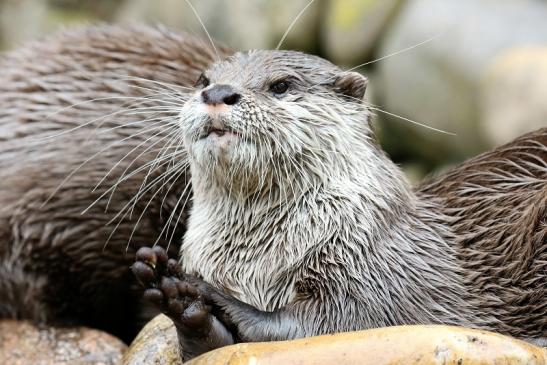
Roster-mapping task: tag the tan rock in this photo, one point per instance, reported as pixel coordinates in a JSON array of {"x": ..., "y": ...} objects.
[
  {"x": 156, "y": 344},
  {"x": 437, "y": 83},
  {"x": 240, "y": 24},
  {"x": 422, "y": 345},
  {"x": 353, "y": 28},
  {"x": 21, "y": 20},
  {"x": 513, "y": 94},
  {"x": 21, "y": 343}
]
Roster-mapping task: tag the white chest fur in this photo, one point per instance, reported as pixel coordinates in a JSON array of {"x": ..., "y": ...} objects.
[{"x": 240, "y": 254}]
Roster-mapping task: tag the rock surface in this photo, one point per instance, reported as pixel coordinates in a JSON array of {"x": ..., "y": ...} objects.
[
  {"x": 241, "y": 24},
  {"x": 513, "y": 94},
  {"x": 352, "y": 28},
  {"x": 438, "y": 83},
  {"x": 24, "y": 344},
  {"x": 423, "y": 345},
  {"x": 156, "y": 344}
]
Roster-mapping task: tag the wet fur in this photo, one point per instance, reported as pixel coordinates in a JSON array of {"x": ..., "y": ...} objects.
[
  {"x": 497, "y": 204},
  {"x": 55, "y": 266},
  {"x": 307, "y": 227}
]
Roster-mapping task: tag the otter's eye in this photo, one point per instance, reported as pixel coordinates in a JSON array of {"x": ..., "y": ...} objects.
[
  {"x": 279, "y": 87},
  {"x": 202, "y": 81}
]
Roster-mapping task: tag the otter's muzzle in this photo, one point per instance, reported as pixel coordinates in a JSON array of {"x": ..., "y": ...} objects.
[{"x": 220, "y": 94}]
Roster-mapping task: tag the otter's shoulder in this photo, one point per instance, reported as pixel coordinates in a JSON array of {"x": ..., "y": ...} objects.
[
  {"x": 524, "y": 159},
  {"x": 497, "y": 207}
]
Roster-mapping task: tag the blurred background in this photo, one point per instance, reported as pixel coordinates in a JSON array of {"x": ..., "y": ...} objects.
[{"x": 475, "y": 68}]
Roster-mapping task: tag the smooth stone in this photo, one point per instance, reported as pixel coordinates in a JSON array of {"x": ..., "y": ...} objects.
[
  {"x": 156, "y": 343},
  {"x": 438, "y": 83},
  {"x": 402, "y": 345},
  {"x": 22, "y": 343},
  {"x": 353, "y": 28},
  {"x": 513, "y": 94}
]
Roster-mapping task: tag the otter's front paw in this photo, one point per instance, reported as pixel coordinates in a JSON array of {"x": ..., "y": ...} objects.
[{"x": 165, "y": 286}]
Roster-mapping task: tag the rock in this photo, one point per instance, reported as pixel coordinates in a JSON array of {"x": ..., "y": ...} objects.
[
  {"x": 438, "y": 83},
  {"x": 353, "y": 28},
  {"x": 21, "y": 20},
  {"x": 424, "y": 345},
  {"x": 240, "y": 24},
  {"x": 21, "y": 343},
  {"x": 157, "y": 343},
  {"x": 304, "y": 34},
  {"x": 513, "y": 94}
]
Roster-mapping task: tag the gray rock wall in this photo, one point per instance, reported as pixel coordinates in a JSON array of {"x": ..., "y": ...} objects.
[{"x": 440, "y": 83}]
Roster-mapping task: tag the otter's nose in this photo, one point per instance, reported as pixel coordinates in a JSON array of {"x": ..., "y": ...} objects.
[{"x": 220, "y": 94}]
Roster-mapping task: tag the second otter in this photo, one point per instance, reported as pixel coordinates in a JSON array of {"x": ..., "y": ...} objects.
[{"x": 301, "y": 225}]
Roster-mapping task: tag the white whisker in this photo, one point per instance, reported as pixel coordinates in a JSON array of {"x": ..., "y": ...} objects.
[
  {"x": 428, "y": 40},
  {"x": 204, "y": 28},
  {"x": 292, "y": 24},
  {"x": 412, "y": 121}
]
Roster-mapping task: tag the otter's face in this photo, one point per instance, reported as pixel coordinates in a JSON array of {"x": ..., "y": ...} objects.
[{"x": 265, "y": 115}]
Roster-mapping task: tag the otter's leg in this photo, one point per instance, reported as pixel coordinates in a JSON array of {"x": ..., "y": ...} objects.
[
  {"x": 209, "y": 320},
  {"x": 198, "y": 330},
  {"x": 251, "y": 324}
]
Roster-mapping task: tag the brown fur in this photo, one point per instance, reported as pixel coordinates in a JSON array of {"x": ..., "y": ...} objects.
[
  {"x": 53, "y": 268},
  {"x": 498, "y": 204}
]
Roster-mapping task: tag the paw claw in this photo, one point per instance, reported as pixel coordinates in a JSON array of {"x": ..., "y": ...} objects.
[
  {"x": 161, "y": 255},
  {"x": 173, "y": 267},
  {"x": 196, "y": 315},
  {"x": 143, "y": 272},
  {"x": 182, "y": 297},
  {"x": 147, "y": 255}
]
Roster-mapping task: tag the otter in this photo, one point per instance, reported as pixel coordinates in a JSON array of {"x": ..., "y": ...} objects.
[
  {"x": 73, "y": 127},
  {"x": 82, "y": 112},
  {"x": 301, "y": 225}
]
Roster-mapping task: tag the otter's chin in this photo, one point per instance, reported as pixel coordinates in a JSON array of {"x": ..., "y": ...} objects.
[
  {"x": 222, "y": 139},
  {"x": 218, "y": 143},
  {"x": 218, "y": 147}
]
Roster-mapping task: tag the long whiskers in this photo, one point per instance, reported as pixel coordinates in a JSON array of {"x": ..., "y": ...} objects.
[
  {"x": 204, "y": 28},
  {"x": 130, "y": 152},
  {"x": 292, "y": 24},
  {"x": 428, "y": 40},
  {"x": 411, "y": 121},
  {"x": 73, "y": 172},
  {"x": 103, "y": 117},
  {"x": 123, "y": 178},
  {"x": 160, "y": 155},
  {"x": 380, "y": 110}
]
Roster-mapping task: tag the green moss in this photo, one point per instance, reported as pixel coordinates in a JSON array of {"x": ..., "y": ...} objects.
[
  {"x": 57, "y": 16},
  {"x": 346, "y": 13}
]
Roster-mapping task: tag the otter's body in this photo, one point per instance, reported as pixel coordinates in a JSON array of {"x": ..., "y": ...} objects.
[
  {"x": 301, "y": 225},
  {"x": 497, "y": 209},
  {"x": 55, "y": 266}
]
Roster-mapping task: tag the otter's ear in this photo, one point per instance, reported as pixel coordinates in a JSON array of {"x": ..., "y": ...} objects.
[{"x": 351, "y": 84}]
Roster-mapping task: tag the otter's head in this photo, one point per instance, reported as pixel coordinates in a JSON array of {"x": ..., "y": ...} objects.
[{"x": 265, "y": 119}]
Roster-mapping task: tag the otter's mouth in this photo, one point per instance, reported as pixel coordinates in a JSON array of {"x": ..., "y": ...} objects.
[{"x": 218, "y": 132}]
